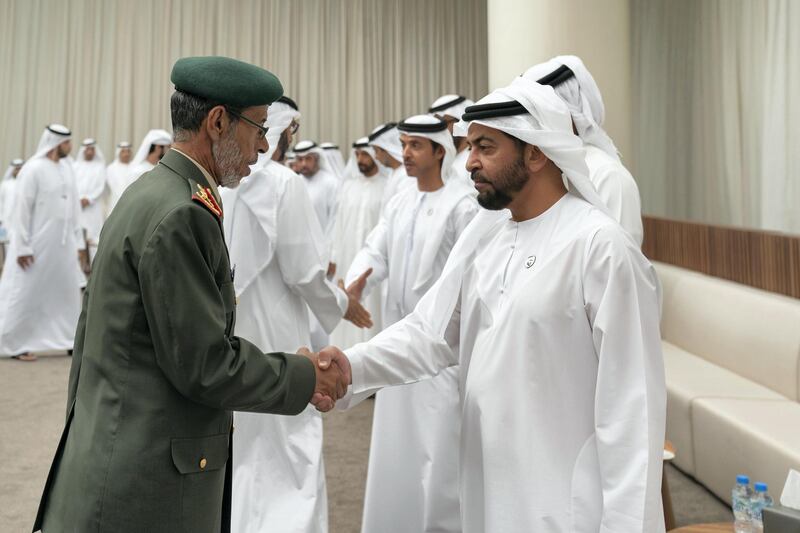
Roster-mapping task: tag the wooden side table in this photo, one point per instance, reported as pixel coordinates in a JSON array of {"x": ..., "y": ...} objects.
[{"x": 720, "y": 527}]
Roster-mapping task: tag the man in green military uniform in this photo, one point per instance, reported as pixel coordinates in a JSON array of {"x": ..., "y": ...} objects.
[{"x": 156, "y": 371}]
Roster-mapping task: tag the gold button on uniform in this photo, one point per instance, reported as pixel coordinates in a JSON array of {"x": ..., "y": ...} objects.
[{"x": 203, "y": 463}]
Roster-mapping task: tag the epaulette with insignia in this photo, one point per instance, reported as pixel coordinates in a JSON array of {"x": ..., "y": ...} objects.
[{"x": 205, "y": 197}]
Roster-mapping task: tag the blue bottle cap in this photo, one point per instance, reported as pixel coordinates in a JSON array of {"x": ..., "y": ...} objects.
[
  {"x": 760, "y": 487},
  {"x": 741, "y": 479}
]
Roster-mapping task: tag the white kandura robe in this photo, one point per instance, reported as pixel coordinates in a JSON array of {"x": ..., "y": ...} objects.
[
  {"x": 91, "y": 180},
  {"x": 412, "y": 479},
  {"x": 8, "y": 188},
  {"x": 118, "y": 177},
  {"x": 358, "y": 212},
  {"x": 322, "y": 188},
  {"x": 279, "y": 258},
  {"x": 41, "y": 305},
  {"x": 137, "y": 170},
  {"x": 556, "y": 320},
  {"x": 397, "y": 181},
  {"x": 618, "y": 190}
]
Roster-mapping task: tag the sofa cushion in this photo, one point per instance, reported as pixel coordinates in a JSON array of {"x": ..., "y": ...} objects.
[
  {"x": 760, "y": 438},
  {"x": 690, "y": 377},
  {"x": 751, "y": 332}
]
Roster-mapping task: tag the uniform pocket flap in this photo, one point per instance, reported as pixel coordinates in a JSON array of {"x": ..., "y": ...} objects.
[{"x": 201, "y": 454}]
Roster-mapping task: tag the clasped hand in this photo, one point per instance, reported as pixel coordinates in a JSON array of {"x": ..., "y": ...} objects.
[{"x": 333, "y": 376}]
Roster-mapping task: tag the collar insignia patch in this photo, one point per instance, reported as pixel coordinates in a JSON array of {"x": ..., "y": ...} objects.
[{"x": 205, "y": 197}]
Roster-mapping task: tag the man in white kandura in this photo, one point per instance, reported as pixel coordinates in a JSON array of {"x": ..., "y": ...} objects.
[
  {"x": 385, "y": 143},
  {"x": 321, "y": 182},
  {"x": 575, "y": 85},
  {"x": 7, "y": 201},
  {"x": 413, "y": 459},
  {"x": 323, "y": 186},
  {"x": 90, "y": 174},
  {"x": 358, "y": 211},
  {"x": 40, "y": 286},
  {"x": 552, "y": 314},
  {"x": 118, "y": 174},
  {"x": 154, "y": 145},
  {"x": 334, "y": 158},
  {"x": 449, "y": 108},
  {"x": 279, "y": 258}
]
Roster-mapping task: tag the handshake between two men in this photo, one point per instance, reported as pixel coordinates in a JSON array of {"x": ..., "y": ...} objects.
[
  {"x": 333, "y": 376},
  {"x": 331, "y": 365}
]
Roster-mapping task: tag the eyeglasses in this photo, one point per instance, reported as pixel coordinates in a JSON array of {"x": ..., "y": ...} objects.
[
  {"x": 294, "y": 126},
  {"x": 262, "y": 131}
]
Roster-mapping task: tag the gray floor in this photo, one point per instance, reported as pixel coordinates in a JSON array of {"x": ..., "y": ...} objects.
[{"x": 32, "y": 399}]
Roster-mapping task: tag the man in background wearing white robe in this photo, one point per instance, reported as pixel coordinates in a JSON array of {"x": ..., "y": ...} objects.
[
  {"x": 575, "y": 85},
  {"x": 280, "y": 262},
  {"x": 321, "y": 182},
  {"x": 552, "y": 314},
  {"x": 154, "y": 145},
  {"x": 90, "y": 173},
  {"x": 40, "y": 286},
  {"x": 7, "y": 201},
  {"x": 385, "y": 143},
  {"x": 334, "y": 158},
  {"x": 323, "y": 186},
  {"x": 118, "y": 174},
  {"x": 449, "y": 108},
  {"x": 358, "y": 211},
  {"x": 412, "y": 478}
]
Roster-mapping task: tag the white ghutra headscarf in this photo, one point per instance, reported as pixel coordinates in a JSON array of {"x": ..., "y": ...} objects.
[
  {"x": 441, "y": 137},
  {"x": 547, "y": 125},
  {"x": 582, "y": 96}
]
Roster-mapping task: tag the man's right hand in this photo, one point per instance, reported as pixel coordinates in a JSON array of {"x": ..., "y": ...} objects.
[
  {"x": 85, "y": 203},
  {"x": 356, "y": 288},
  {"x": 331, "y": 381},
  {"x": 330, "y": 358},
  {"x": 24, "y": 261}
]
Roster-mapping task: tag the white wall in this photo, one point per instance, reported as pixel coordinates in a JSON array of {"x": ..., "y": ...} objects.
[{"x": 522, "y": 33}]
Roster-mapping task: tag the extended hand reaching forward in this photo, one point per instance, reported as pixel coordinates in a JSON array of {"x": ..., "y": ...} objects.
[
  {"x": 333, "y": 376},
  {"x": 357, "y": 313}
]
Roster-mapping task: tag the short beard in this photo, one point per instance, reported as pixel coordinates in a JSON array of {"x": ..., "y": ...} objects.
[
  {"x": 367, "y": 169},
  {"x": 283, "y": 145},
  {"x": 510, "y": 179},
  {"x": 228, "y": 158}
]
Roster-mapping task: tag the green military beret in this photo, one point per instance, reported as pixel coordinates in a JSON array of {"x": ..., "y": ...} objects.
[{"x": 225, "y": 80}]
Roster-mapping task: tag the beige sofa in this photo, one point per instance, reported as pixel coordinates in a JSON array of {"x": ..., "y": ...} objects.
[{"x": 732, "y": 359}]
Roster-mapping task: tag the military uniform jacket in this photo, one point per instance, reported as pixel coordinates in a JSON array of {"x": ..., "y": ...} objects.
[{"x": 156, "y": 372}]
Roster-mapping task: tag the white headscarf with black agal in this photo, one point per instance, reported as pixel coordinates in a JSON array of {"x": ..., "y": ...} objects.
[
  {"x": 53, "y": 135},
  {"x": 574, "y": 84},
  {"x": 436, "y": 130},
  {"x": 387, "y": 137},
  {"x": 534, "y": 114},
  {"x": 452, "y": 105},
  {"x": 98, "y": 153}
]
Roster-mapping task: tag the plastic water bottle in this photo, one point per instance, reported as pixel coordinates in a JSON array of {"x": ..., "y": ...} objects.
[
  {"x": 741, "y": 497},
  {"x": 760, "y": 501}
]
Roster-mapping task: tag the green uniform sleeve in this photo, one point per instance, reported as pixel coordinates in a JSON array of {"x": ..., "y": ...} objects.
[{"x": 188, "y": 300}]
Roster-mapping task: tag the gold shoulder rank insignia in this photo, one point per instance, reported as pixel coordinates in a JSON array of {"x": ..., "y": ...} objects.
[{"x": 204, "y": 196}]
